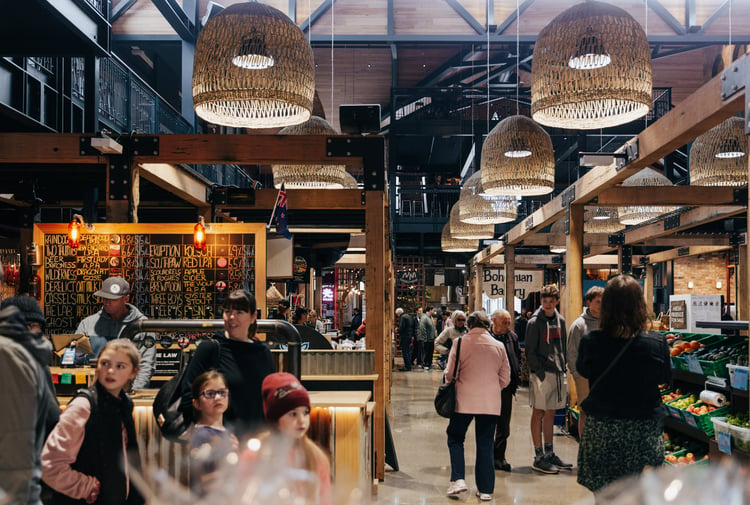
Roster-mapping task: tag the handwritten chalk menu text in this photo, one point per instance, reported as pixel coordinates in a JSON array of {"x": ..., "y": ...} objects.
[{"x": 168, "y": 277}]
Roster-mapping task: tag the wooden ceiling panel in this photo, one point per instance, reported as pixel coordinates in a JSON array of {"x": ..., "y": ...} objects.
[
  {"x": 415, "y": 18},
  {"x": 684, "y": 72},
  {"x": 417, "y": 63},
  {"x": 353, "y": 17}
]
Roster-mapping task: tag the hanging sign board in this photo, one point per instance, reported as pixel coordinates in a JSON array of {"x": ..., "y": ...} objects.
[{"x": 526, "y": 281}]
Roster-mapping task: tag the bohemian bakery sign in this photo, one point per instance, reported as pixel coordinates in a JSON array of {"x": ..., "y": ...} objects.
[{"x": 526, "y": 281}]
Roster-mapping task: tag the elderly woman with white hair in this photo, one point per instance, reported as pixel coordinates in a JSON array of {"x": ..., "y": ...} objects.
[{"x": 444, "y": 341}]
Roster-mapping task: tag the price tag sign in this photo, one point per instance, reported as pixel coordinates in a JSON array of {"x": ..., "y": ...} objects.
[
  {"x": 691, "y": 420},
  {"x": 693, "y": 364},
  {"x": 739, "y": 378},
  {"x": 725, "y": 442}
]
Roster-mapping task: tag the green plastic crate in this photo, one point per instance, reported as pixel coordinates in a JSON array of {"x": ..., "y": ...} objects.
[
  {"x": 703, "y": 422},
  {"x": 701, "y": 461},
  {"x": 674, "y": 411}
]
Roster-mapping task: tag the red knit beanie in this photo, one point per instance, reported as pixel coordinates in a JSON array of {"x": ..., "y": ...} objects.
[{"x": 282, "y": 392}]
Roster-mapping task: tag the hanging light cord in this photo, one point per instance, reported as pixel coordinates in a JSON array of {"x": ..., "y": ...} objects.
[
  {"x": 333, "y": 23},
  {"x": 488, "y": 69},
  {"x": 518, "y": 56}
]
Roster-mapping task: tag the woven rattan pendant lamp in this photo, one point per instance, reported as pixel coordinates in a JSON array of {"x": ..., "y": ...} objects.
[
  {"x": 556, "y": 246},
  {"x": 315, "y": 176},
  {"x": 461, "y": 230},
  {"x": 253, "y": 68},
  {"x": 602, "y": 220},
  {"x": 591, "y": 69},
  {"x": 718, "y": 157},
  {"x": 636, "y": 214},
  {"x": 452, "y": 244},
  {"x": 517, "y": 159},
  {"x": 474, "y": 208}
]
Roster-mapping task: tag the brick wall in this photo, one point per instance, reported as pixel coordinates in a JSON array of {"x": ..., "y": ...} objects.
[{"x": 705, "y": 271}]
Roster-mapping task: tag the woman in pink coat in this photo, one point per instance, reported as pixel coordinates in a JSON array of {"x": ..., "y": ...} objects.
[{"x": 482, "y": 372}]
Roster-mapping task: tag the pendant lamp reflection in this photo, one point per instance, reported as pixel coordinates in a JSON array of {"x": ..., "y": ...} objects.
[
  {"x": 253, "y": 68},
  {"x": 317, "y": 176},
  {"x": 476, "y": 208},
  {"x": 449, "y": 243},
  {"x": 717, "y": 158},
  {"x": 636, "y": 214},
  {"x": 504, "y": 174},
  {"x": 592, "y": 69}
]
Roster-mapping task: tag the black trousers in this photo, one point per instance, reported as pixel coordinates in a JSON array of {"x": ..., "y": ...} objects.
[
  {"x": 405, "y": 343},
  {"x": 502, "y": 432},
  {"x": 428, "y": 347}
]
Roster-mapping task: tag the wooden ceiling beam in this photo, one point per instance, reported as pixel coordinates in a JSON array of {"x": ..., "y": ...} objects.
[
  {"x": 683, "y": 252},
  {"x": 688, "y": 219},
  {"x": 667, "y": 195},
  {"x": 305, "y": 199},
  {"x": 177, "y": 181}
]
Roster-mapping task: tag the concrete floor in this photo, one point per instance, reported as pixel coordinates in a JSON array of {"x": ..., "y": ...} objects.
[{"x": 424, "y": 465}]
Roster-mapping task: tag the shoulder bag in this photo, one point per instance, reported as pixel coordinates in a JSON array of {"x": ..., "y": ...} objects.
[
  {"x": 445, "y": 399},
  {"x": 169, "y": 417}
]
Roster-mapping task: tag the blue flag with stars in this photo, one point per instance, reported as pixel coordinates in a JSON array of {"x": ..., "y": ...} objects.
[{"x": 281, "y": 216}]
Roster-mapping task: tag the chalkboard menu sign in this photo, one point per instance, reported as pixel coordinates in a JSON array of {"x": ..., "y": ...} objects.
[{"x": 168, "y": 278}]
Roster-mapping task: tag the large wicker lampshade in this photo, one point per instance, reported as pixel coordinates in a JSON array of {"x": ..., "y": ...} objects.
[
  {"x": 310, "y": 176},
  {"x": 635, "y": 214},
  {"x": 602, "y": 220},
  {"x": 253, "y": 68},
  {"x": 718, "y": 157},
  {"x": 452, "y": 244},
  {"x": 517, "y": 159},
  {"x": 591, "y": 69},
  {"x": 349, "y": 181},
  {"x": 557, "y": 246},
  {"x": 474, "y": 208},
  {"x": 461, "y": 230}
]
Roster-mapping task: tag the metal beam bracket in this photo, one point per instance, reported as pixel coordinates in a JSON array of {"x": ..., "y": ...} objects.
[
  {"x": 735, "y": 79},
  {"x": 528, "y": 223},
  {"x": 119, "y": 178},
  {"x": 683, "y": 251},
  {"x": 84, "y": 146},
  {"x": 737, "y": 239},
  {"x": 144, "y": 145},
  {"x": 568, "y": 196},
  {"x": 615, "y": 240},
  {"x": 627, "y": 259},
  {"x": 645, "y": 260},
  {"x": 372, "y": 151},
  {"x": 672, "y": 222},
  {"x": 631, "y": 154}
]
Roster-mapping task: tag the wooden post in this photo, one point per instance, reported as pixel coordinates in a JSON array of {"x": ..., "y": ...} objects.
[
  {"x": 742, "y": 303},
  {"x": 648, "y": 286},
  {"x": 476, "y": 304},
  {"x": 510, "y": 278},
  {"x": 574, "y": 265},
  {"x": 375, "y": 226}
]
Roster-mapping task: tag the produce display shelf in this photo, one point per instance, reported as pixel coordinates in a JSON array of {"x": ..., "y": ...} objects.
[{"x": 685, "y": 429}]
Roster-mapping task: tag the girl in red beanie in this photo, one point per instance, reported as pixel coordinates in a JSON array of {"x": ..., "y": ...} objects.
[{"x": 286, "y": 406}]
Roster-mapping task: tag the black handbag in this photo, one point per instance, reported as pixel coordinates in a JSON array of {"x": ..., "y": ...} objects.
[
  {"x": 166, "y": 406},
  {"x": 445, "y": 399}
]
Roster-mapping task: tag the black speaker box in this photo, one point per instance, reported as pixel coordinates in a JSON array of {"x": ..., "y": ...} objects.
[{"x": 359, "y": 119}]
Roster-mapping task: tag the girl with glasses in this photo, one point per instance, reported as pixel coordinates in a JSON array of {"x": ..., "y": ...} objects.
[{"x": 211, "y": 441}]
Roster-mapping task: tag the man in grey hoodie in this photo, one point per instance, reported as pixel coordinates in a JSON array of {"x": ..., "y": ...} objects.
[
  {"x": 585, "y": 323},
  {"x": 545, "y": 354},
  {"x": 108, "y": 324}
]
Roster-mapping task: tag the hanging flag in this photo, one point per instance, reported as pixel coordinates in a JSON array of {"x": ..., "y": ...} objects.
[{"x": 280, "y": 216}]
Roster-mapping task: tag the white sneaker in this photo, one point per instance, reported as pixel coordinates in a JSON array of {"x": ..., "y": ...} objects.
[
  {"x": 484, "y": 496},
  {"x": 457, "y": 486}
]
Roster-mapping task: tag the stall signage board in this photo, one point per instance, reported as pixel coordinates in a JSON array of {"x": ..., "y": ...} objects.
[
  {"x": 725, "y": 442},
  {"x": 526, "y": 281},
  {"x": 167, "y": 361},
  {"x": 168, "y": 277},
  {"x": 677, "y": 315}
]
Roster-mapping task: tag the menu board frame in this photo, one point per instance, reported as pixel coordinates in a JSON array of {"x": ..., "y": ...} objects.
[{"x": 257, "y": 230}]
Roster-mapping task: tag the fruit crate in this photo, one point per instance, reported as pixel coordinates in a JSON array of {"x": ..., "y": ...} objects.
[
  {"x": 707, "y": 340},
  {"x": 703, "y": 422},
  {"x": 674, "y": 411},
  {"x": 699, "y": 460},
  {"x": 718, "y": 368}
]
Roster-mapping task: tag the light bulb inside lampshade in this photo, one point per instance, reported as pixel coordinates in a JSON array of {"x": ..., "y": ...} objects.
[
  {"x": 729, "y": 148},
  {"x": 590, "y": 53},
  {"x": 518, "y": 148},
  {"x": 253, "y": 52}
]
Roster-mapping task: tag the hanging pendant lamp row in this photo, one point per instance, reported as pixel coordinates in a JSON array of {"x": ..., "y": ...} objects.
[
  {"x": 476, "y": 208},
  {"x": 253, "y": 68},
  {"x": 718, "y": 157},
  {"x": 504, "y": 174},
  {"x": 574, "y": 87},
  {"x": 449, "y": 243},
  {"x": 602, "y": 220},
  {"x": 310, "y": 176}
]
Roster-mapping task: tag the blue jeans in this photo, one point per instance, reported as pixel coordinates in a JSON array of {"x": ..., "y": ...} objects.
[{"x": 484, "y": 432}]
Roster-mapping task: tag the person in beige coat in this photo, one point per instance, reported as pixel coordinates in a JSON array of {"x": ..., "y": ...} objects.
[{"x": 482, "y": 373}]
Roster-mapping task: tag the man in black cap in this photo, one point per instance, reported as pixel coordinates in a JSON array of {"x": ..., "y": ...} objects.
[{"x": 108, "y": 324}]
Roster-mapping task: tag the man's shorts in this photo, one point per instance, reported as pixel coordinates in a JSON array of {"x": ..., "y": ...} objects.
[{"x": 550, "y": 393}]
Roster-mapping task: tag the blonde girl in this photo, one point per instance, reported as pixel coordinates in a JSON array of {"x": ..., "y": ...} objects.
[{"x": 84, "y": 459}]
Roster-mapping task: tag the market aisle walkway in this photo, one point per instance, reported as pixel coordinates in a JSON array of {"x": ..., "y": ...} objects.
[{"x": 424, "y": 466}]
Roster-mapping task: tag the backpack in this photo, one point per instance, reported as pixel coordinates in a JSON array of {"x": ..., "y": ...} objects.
[{"x": 169, "y": 417}]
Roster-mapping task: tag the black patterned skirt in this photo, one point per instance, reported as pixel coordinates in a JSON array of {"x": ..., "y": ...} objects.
[{"x": 614, "y": 448}]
